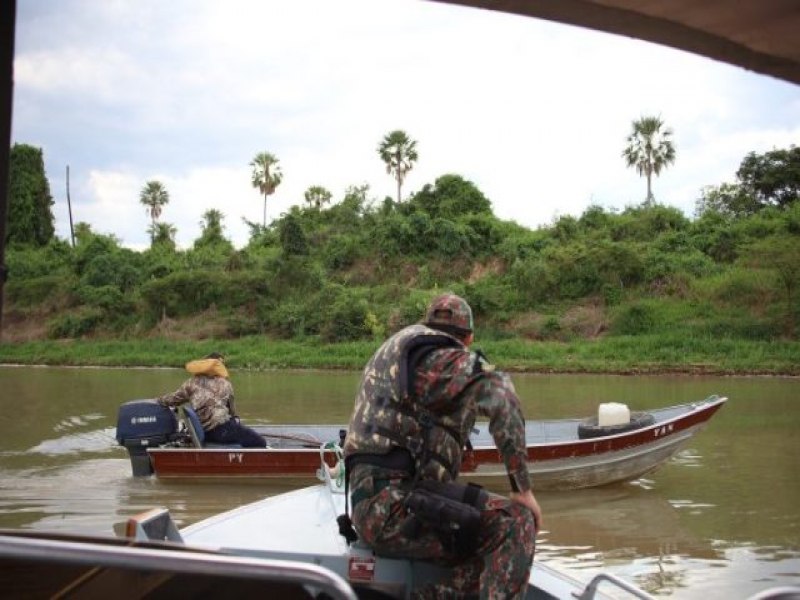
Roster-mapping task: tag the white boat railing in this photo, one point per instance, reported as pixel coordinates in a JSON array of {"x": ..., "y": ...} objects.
[{"x": 97, "y": 554}]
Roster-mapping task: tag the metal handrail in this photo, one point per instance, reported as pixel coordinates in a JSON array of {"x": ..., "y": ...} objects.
[
  {"x": 96, "y": 554},
  {"x": 590, "y": 590}
]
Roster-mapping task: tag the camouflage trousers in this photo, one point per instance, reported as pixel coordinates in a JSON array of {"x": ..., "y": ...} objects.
[{"x": 498, "y": 568}]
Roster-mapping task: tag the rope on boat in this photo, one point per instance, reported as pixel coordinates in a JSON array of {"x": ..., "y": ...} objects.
[{"x": 338, "y": 469}]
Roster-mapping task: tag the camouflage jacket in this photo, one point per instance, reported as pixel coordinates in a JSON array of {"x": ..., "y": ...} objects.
[
  {"x": 451, "y": 384},
  {"x": 211, "y": 398}
]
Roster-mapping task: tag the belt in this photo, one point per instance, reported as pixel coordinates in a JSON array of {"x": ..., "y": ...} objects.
[{"x": 397, "y": 459}]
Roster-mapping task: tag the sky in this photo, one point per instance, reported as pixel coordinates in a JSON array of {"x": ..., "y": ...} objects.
[{"x": 534, "y": 113}]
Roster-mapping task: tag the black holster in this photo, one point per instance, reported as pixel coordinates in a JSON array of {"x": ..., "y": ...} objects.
[{"x": 453, "y": 510}]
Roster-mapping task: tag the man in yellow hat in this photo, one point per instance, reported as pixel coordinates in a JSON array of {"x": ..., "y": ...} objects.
[{"x": 211, "y": 395}]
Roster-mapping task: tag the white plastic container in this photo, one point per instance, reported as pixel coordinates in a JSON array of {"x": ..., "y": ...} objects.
[{"x": 613, "y": 413}]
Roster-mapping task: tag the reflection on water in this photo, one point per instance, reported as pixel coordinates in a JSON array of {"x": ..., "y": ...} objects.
[
  {"x": 720, "y": 520},
  {"x": 633, "y": 530}
]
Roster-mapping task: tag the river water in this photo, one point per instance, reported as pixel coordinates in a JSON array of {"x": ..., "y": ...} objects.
[{"x": 721, "y": 520}]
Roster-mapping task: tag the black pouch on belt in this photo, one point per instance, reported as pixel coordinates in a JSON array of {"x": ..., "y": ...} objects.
[{"x": 451, "y": 509}]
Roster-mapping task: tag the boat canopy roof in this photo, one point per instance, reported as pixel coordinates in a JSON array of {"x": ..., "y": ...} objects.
[{"x": 753, "y": 34}]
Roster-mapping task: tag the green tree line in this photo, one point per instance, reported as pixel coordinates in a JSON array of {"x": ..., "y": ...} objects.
[{"x": 358, "y": 268}]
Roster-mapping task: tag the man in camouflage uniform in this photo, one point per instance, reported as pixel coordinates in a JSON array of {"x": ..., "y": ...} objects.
[
  {"x": 211, "y": 395},
  {"x": 417, "y": 403}
]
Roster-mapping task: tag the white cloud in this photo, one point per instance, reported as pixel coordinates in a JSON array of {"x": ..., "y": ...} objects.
[
  {"x": 110, "y": 201},
  {"x": 73, "y": 71},
  {"x": 535, "y": 113}
]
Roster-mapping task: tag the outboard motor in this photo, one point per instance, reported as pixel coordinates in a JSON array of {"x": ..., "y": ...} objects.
[{"x": 142, "y": 424}]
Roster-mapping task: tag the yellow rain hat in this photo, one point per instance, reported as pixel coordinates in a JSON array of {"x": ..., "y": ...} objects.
[{"x": 211, "y": 366}]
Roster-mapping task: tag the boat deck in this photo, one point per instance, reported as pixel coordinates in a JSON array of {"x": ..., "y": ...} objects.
[{"x": 536, "y": 432}]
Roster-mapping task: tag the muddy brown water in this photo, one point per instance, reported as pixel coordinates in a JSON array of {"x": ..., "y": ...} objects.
[{"x": 721, "y": 520}]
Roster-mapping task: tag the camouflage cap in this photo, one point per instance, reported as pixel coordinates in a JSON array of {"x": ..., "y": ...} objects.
[{"x": 449, "y": 311}]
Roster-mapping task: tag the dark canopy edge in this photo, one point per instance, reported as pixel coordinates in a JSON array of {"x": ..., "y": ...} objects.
[{"x": 8, "y": 17}]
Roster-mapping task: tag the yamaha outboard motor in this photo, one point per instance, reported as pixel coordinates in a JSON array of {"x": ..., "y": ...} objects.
[{"x": 142, "y": 424}]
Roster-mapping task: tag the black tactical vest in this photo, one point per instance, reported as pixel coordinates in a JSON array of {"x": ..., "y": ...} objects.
[{"x": 387, "y": 415}]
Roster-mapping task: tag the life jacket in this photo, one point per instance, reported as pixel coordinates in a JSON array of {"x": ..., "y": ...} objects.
[
  {"x": 387, "y": 415},
  {"x": 209, "y": 367}
]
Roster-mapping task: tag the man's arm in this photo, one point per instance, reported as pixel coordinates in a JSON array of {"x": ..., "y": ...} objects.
[
  {"x": 496, "y": 398},
  {"x": 450, "y": 372},
  {"x": 180, "y": 396}
]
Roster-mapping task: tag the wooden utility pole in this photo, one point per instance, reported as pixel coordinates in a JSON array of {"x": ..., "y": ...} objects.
[{"x": 69, "y": 208}]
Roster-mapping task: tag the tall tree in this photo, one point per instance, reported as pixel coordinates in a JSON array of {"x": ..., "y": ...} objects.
[
  {"x": 30, "y": 216},
  {"x": 772, "y": 177},
  {"x": 317, "y": 195},
  {"x": 154, "y": 195},
  {"x": 266, "y": 176},
  {"x": 728, "y": 199},
  {"x": 162, "y": 234},
  {"x": 293, "y": 239},
  {"x": 211, "y": 228},
  {"x": 450, "y": 197},
  {"x": 769, "y": 179},
  {"x": 399, "y": 152},
  {"x": 650, "y": 149}
]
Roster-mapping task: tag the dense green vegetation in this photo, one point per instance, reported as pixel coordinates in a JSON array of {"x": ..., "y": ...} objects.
[
  {"x": 643, "y": 288},
  {"x": 30, "y": 218}
]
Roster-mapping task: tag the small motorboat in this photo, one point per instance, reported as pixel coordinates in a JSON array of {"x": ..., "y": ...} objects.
[
  {"x": 285, "y": 546},
  {"x": 316, "y": 539},
  {"x": 562, "y": 454}
]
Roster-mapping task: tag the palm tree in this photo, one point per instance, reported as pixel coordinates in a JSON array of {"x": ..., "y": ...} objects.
[
  {"x": 317, "y": 195},
  {"x": 154, "y": 195},
  {"x": 266, "y": 176},
  {"x": 399, "y": 152},
  {"x": 649, "y": 149}
]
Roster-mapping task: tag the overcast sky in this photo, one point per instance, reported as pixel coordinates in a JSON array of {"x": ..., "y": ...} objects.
[{"x": 535, "y": 113}]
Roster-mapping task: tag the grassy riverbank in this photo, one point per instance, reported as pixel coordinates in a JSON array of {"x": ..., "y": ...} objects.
[{"x": 620, "y": 354}]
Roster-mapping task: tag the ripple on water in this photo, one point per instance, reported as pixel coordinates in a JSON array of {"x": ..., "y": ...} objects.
[
  {"x": 76, "y": 421},
  {"x": 690, "y": 506},
  {"x": 689, "y": 457},
  {"x": 91, "y": 494},
  {"x": 98, "y": 440}
]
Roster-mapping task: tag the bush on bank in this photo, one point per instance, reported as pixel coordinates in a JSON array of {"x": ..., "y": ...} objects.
[{"x": 359, "y": 270}]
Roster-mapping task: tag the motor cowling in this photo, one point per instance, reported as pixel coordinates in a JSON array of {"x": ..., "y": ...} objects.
[{"x": 142, "y": 424}]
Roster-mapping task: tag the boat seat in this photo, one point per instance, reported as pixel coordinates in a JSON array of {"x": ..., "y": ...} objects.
[{"x": 196, "y": 431}]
